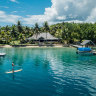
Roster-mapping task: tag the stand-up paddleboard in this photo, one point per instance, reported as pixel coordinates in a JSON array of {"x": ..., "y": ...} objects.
[{"x": 14, "y": 71}]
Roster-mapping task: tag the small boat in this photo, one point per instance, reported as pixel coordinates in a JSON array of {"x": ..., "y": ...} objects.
[
  {"x": 94, "y": 52},
  {"x": 85, "y": 51},
  {"x": 85, "y": 48},
  {"x": 2, "y": 54}
]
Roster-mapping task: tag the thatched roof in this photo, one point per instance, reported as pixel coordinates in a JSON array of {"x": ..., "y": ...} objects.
[{"x": 44, "y": 36}]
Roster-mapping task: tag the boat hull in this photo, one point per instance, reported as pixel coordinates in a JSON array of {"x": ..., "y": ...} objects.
[
  {"x": 85, "y": 53},
  {"x": 2, "y": 54}
]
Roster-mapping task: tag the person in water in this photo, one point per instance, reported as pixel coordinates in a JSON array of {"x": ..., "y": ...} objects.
[{"x": 12, "y": 66}]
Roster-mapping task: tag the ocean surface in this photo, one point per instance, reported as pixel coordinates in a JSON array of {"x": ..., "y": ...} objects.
[{"x": 47, "y": 72}]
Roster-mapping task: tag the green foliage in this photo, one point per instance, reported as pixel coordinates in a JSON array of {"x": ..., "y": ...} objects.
[
  {"x": 36, "y": 29},
  {"x": 67, "y": 32},
  {"x": 46, "y": 27},
  {"x": 14, "y": 42},
  {"x": 19, "y": 27},
  {"x": 72, "y": 32}
]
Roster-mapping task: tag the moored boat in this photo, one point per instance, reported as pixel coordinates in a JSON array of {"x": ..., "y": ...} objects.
[
  {"x": 85, "y": 51},
  {"x": 2, "y": 54}
]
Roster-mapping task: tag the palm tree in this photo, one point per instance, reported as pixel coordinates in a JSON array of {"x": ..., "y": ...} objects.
[
  {"x": 36, "y": 29},
  {"x": 7, "y": 28},
  {"x": 22, "y": 38},
  {"x": 27, "y": 31},
  {"x": 46, "y": 28},
  {"x": 13, "y": 32},
  {"x": 19, "y": 27}
]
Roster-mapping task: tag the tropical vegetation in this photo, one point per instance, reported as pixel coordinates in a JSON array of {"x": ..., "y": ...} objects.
[{"x": 66, "y": 32}]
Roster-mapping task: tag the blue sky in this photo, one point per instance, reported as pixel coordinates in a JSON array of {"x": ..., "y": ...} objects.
[
  {"x": 31, "y": 11},
  {"x": 25, "y": 7}
]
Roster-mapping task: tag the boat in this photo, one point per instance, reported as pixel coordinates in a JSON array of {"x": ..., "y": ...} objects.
[
  {"x": 2, "y": 54},
  {"x": 85, "y": 51}
]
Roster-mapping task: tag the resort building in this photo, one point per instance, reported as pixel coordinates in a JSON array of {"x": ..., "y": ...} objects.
[{"x": 42, "y": 37}]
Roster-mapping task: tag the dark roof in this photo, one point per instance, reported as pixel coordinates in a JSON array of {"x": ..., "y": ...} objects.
[
  {"x": 87, "y": 42},
  {"x": 45, "y": 36}
]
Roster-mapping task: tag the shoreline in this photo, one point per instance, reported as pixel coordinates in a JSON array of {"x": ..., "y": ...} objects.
[{"x": 35, "y": 46}]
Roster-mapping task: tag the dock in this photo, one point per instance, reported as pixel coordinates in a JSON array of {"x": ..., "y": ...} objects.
[{"x": 77, "y": 46}]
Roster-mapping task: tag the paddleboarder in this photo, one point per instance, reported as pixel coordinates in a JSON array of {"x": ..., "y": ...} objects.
[{"x": 12, "y": 66}]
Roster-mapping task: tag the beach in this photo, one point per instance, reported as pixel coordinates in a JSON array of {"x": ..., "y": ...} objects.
[{"x": 34, "y": 46}]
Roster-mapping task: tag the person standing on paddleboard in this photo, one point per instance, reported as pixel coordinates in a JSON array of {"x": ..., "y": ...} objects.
[{"x": 12, "y": 66}]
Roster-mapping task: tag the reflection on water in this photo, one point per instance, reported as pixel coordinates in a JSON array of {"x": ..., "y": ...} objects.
[{"x": 47, "y": 72}]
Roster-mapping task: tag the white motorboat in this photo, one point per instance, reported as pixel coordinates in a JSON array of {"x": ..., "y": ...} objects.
[{"x": 2, "y": 54}]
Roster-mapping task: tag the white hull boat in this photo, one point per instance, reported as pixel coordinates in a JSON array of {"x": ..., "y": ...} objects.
[{"x": 2, "y": 54}]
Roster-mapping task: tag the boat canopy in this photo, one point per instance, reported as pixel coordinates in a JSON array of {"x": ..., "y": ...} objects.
[
  {"x": 84, "y": 49},
  {"x": 87, "y": 42}
]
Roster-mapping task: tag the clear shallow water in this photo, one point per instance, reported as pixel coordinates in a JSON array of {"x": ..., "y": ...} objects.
[{"x": 47, "y": 72}]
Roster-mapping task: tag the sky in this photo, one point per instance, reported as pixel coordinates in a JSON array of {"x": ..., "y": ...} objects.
[{"x": 30, "y": 12}]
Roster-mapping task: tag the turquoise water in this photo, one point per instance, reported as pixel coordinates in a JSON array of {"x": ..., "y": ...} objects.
[{"x": 47, "y": 72}]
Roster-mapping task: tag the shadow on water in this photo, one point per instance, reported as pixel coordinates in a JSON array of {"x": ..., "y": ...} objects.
[
  {"x": 13, "y": 76},
  {"x": 84, "y": 58},
  {"x": 37, "y": 61},
  {"x": 2, "y": 65},
  {"x": 88, "y": 60},
  {"x": 2, "y": 60}
]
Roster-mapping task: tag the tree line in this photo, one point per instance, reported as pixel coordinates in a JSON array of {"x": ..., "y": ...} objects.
[{"x": 66, "y": 32}]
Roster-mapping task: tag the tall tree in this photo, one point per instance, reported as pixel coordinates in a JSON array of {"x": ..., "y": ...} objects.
[
  {"x": 19, "y": 27},
  {"x": 7, "y": 28},
  {"x": 36, "y": 29},
  {"x": 27, "y": 31},
  {"x": 46, "y": 28},
  {"x": 14, "y": 32}
]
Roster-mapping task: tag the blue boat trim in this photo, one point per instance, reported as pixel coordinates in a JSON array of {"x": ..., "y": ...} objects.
[{"x": 85, "y": 49}]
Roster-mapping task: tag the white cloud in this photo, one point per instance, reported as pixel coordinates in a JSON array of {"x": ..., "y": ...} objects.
[
  {"x": 14, "y": 11},
  {"x": 4, "y": 7},
  {"x": 34, "y": 18},
  {"x": 61, "y": 10},
  {"x": 61, "y": 17},
  {"x": 8, "y": 18},
  {"x": 92, "y": 16},
  {"x": 66, "y": 10},
  {"x": 14, "y": 1}
]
